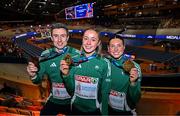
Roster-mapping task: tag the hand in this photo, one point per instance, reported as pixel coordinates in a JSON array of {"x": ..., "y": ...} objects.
[
  {"x": 64, "y": 67},
  {"x": 133, "y": 75},
  {"x": 31, "y": 69}
]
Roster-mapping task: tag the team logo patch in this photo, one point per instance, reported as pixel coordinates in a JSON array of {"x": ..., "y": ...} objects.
[{"x": 94, "y": 81}]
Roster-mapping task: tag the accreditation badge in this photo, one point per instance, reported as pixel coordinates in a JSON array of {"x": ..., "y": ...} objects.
[
  {"x": 117, "y": 100},
  {"x": 59, "y": 91},
  {"x": 86, "y": 87}
]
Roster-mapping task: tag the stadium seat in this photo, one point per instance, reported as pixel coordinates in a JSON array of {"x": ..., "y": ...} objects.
[
  {"x": 13, "y": 110},
  {"x": 24, "y": 112},
  {"x": 3, "y": 109}
]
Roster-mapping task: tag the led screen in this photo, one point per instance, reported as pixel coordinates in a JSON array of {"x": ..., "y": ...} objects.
[{"x": 79, "y": 11}]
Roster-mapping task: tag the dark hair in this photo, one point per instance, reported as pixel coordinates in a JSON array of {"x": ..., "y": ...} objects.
[
  {"x": 58, "y": 26},
  {"x": 117, "y": 37}
]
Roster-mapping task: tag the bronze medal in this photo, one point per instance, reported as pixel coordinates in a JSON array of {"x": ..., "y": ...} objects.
[
  {"x": 128, "y": 65},
  {"x": 68, "y": 59}
]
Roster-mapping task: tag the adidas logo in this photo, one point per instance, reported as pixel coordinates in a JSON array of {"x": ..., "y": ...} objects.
[
  {"x": 79, "y": 66},
  {"x": 53, "y": 65}
]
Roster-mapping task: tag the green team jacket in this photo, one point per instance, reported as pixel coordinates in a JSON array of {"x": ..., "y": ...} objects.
[
  {"x": 123, "y": 96},
  {"x": 87, "y": 82},
  {"x": 50, "y": 66}
]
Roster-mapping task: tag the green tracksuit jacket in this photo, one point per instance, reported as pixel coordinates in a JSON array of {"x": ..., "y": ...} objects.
[
  {"x": 86, "y": 83},
  {"x": 50, "y": 66},
  {"x": 122, "y": 95}
]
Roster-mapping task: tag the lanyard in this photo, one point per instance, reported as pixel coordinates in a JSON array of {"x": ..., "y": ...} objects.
[
  {"x": 55, "y": 54},
  {"x": 59, "y": 53},
  {"x": 115, "y": 63},
  {"x": 84, "y": 59}
]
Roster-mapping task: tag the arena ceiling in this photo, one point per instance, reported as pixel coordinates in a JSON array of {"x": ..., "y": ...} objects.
[
  {"x": 21, "y": 8},
  {"x": 36, "y": 7},
  {"x": 45, "y": 7}
]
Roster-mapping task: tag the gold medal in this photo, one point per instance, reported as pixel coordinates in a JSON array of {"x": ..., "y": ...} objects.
[{"x": 128, "y": 65}]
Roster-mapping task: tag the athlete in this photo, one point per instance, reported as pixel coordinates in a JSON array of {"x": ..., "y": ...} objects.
[
  {"x": 87, "y": 78},
  {"x": 125, "y": 89},
  {"x": 58, "y": 100}
]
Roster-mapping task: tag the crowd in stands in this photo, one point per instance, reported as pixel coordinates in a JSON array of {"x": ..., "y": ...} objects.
[
  {"x": 9, "y": 49},
  {"x": 4, "y": 39}
]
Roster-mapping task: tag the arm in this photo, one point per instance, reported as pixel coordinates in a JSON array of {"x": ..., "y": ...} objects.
[
  {"x": 37, "y": 69},
  {"x": 105, "y": 88},
  {"x": 35, "y": 74},
  {"x": 68, "y": 72},
  {"x": 68, "y": 77},
  {"x": 39, "y": 74},
  {"x": 134, "y": 92}
]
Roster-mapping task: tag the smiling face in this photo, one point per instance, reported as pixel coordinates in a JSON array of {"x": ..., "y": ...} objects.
[
  {"x": 59, "y": 38},
  {"x": 90, "y": 42},
  {"x": 116, "y": 48}
]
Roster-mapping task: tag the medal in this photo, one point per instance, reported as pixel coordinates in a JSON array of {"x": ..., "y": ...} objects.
[
  {"x": 128, "y": 65},
  {"x": 35, "y": 61},
  {"x": 68, "y": 59}
]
